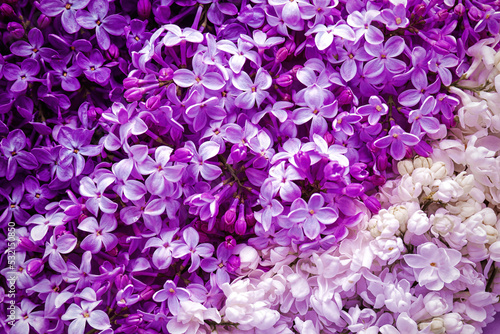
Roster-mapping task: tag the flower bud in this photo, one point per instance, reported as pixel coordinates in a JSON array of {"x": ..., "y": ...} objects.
[
  {"x": 166, "y": 74},
  {"x": 230, "y": 216},
  {"x": 250, "y": 218},
  {"x": 130, "y": 82},
  {"x": 182, "y": 154},
  {"x": 230, "y": 242},
  {"x": 328, "y": 137},
  {"x": 249, "y": 259},
  {"x": 420, "y": 9},
  {"x": 233, "y": 263},
  {"x": 353, "y": 190},
  {"x": 134, "y": 319},
  {"x": 113, "y": 52},
  {"x": 6, "y": 10},
  {"x": 144, "y": 9},
  {"x": 439, "y": 170},
  {"x": 422, "y": 176},
  {"x": 16, "y": 30},
  {"x": 147, "y": 293},
  {"x": 303, "y": 160},
  {"x": 382, "y": 162},
  {"x": 240, "y": 226},
  {"x": 281, "y": 55},
  {"x": 418, "y": 223},
  {"x": 334, "y": 171},
  {"x": 290, "y": 45},
  {"x": 26, "y": 244},
  {"x": 121, "y": 281},
  {"x": 489, "y": 217},
  {"x": 134, "y": 94},
  {"x": 238, "y": 152},
  {"x": 453, "y": 322},
  {"x": 358, "y": 171},
  {"x": 475, "y": 14},
  {"x": 491, "y": 233},
  {"x": 43, "y": 21},
  {"x": 34, "y": 267},
  {"x": 405, "y": 167},
  {"x": 284, "y": 80},
  {"x": 459, "y": 9},
  {"x": 442, "y": 15},
  {"x": 372, "y": 204},
  {"x": 346, "y": 97},
  {"x": 153, "y": 102},
  {"x": 128, "y": 329},
  {"x": 420, "y": 162},
  {"x": 442, "y": 47},
  {"x": 295, "y": 69},
  {"x": 113, "y": 252}
]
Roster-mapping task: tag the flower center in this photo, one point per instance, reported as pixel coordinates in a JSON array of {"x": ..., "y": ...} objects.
[
  {"x": 92, "y": 68},
  {"x": 13, "y": 153},
  {"x": 379, "y": 108},
  {"x": 68, "y": 6},
  {"x": 311, "y": 212},
  {"x": 221, "y": 265},
  {"x": 433, "y": 264},
  {"x": 171, "y": 290},
  {"x": 86, "y": 314},
  {"x": 37, "y": 195},
  {"x": 395, "y": 135},
  {"x": 65, "y": 74},
  {"x": 383, "y": 56},
  {"x": 137, "y": 38},
  {"x": 98, "y": 22},
  {"x": 253, "y": 89},
  {"x": 75, "y": 151},
  {"x": 315, "y": 112},
  {"x": 398, "y": 20},
  {"x": 35, "y": 50}
]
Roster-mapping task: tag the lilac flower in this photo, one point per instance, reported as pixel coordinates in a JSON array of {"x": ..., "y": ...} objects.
[
  {"x": 126, "y": 297},
  {"x": 324, "y": 35},
  {"x": 68, "y": 9},
  {"x": 319, "y": 9},
  {"x": 252, "y": 91},
  {"x": 172, "y": 294},
  {"x": 317, "y": 111},
  {"x": 36, "y": 195},
  {"x": 434, "y": 266},
  {"x": 86, "y": 314},
  {"x": 311, "y": 214},
  {"x": 55, "y": 247},
  {"x": 104, "y": 25},
  {"x": 385, "y": 57},
  {"x": 12, "y": 148},
  {"x": 62, "y": 169},
  {"x": 200, "y": 111},
  {"x": 362, "y": 26},
  {"x": 92, "y": 67},
  {"x": 27, "y": 318},
  {"x": 374, "y": 110},
  {"x": 162, "y": 256},
  {"x": 21, "y": 75},
  {"x": 136, "y": 35},
  {"x": 67, "y": 47},
  {"x": 95, "y": 194},
  {"x": 13, "y": 206},
  {"x": 100, "y": 233},
  {"x": 343, "y": 122},
  {"x": 240, "y": 54},
  {"x": 176, "y": 35},
  {"x": 199, "y": 163},
  {"x": 127, "y": 189},
  {"x": 190, "y": 247},
  {"x": 260, "y": 40},
  {"x": 440, "y": 64},
  {"x": 162, "y": 173},
  {"x": 411, "y": 97},
  {"x": 421, "y": 119},
  {"x": 68, "y": 75},
  {"x": 282, "y": 180},
  {"x": 491, "y": 20},
  {"x": 219, "y": 265},
  {"x": 395, "y": 18},
  {"x": 34, "y": 48},
  {"x": 39, "y": 231},
  {"x": 270, "y": 207},
  {"x": 200, "y": 76},
  {"x": 397, "y": 139},
  {"x": 75, "y": 145}
]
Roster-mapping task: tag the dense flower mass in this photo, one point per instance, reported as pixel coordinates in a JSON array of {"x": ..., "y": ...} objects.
[{"x": 196, "y": 166}]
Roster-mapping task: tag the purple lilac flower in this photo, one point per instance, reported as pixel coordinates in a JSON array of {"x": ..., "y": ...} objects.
[
  {"x": 21, "y": 75},
  {"x": 172, "y": 294},
  {"x": 93, "y": 67},
  {"x": 100, "y": 233},
  {"x": 374, "y": 110},
  {"x": 397, "y": 139},
  {"x": 68, "y": 8},
  {"x": 34, "y": 47},
  {"x": 191, "y": 248},
  {"x": 84, "y": 314},
  {"x": 97, "y": 17},
  {"x": 385, "y": 57}
]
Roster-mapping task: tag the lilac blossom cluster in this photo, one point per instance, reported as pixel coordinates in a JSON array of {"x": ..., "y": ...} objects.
[{"x": 153, "y": 152}]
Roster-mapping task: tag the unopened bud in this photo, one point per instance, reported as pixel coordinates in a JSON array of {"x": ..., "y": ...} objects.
[
  {"x": 290, "y": 45},
  {"x": 134, "y": 319},
  {"x": 130, "y": 82},
  {"x": 238, "y": 152},
  {"x": 43, "y": 21},
  {"x": 475, "y": 13},
  {"x": 442, "y": 15},
  {"x": 420, "y": 9},
  {"x": 153, "y": 102},
  {"x": 229, "y": 217},
  {"x": 147, "y": 293},
  {"x": 303, "y": 160},
  {"x": 34, "y": 267},
  {"x": 134, "y": 94},
  {"x": 6, "y": 10},
  {"x": 346, "y": 97},
  {"x": 421, "y": 162},
  {"x": 230, "y": 242},
  {"x": 144, "y": 9},
  {"x": 439, "y": 170},
  {"x": 459, "y": 9},
  {"x": 16, "y": 30},
  {"x": 353, "y": 190},
  {"x": 372, "y": 204},
  {"x": 121, "y": 281},
  {"x": 358, "y": 171},
  {"x": 166, "y": 74},
  {"x": 281, "y": 54},
  {"x": 405, "y": 167},
  {"x": 328, "y": 137},
  {"x": 233, "y": 263},
  {"x": 240, "y": 227},
  {"x": 284, "y": 80},
  {"x": 113, "y": 52},
  {"x": 250, "y": 218},
  {"x": 182, "y": 154}
]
